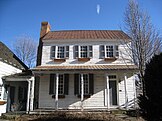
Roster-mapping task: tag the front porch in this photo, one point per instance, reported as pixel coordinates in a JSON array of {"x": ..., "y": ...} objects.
[
  {"x": 20, "y": 92},
  {"x": 110, "y": 89}
]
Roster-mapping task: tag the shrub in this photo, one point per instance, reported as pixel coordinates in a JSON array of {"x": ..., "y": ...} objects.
[{"x": 151, "y": 104}]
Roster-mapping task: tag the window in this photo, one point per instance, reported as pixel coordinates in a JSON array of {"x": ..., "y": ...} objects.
[
  {"x": 62, "y": 84},
  {"x": 86, "y": 84},
  {"x": 60, "y": 52},
  {"x": 83, "y": 51},
  {"x": 109, "y": 51}
]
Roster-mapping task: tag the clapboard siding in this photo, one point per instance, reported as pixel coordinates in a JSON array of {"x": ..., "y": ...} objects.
[
  {"x": 71, "y": 101},
  {"x": 123, "y": 55},
  {"x": 5, "y": 70}
]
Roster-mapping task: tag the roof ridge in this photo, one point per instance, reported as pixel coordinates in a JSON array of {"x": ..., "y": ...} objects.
[{"x": 84, "y": 30}]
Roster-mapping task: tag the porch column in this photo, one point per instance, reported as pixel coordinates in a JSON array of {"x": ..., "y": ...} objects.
[
  {"x": 8, "y": 100},
  {"x": 28, "y": 97},
  {"x": 82, "y": 91},
  {"x": 56, "y": 96},
  {"x": 107, "y": 92},
  {"x": 126, "y": 95},
  {"x": 32, "y": 94}
]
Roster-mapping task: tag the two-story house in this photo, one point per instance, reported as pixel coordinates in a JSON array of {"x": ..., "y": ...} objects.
[{"x": 84, "y": 69}]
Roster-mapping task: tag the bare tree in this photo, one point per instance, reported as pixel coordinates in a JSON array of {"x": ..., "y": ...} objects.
[
  {"x": 145, "y": 38},
  {"x": 25, "y": 48}
]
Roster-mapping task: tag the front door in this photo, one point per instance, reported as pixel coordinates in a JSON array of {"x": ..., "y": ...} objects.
[{"x": 113, "y": 93}]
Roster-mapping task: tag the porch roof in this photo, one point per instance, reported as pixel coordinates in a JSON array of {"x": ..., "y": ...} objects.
[
  {"x": 85, "y": 67},
  {"x": 22, "y": 75}
]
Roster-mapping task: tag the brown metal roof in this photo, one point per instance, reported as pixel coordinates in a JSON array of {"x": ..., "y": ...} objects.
[
  {"x": 86, "y": 34},
  {"x": 85, "y": 67}
]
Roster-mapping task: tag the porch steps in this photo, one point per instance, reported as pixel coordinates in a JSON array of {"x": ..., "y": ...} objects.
[{"x": 12, "y": 115}]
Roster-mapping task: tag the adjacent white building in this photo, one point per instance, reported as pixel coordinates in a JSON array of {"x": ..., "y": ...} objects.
[
  {"x": 84, "y": 69},
  {"x": 9, "y": 64}
]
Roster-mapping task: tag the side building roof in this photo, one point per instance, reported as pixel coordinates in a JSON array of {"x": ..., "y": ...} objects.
[{"x": 7, "y": 56}]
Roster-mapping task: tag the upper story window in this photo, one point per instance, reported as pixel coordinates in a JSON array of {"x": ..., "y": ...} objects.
[
  {"x": 109, "y": 51},
  {"x": 83, "y": 51},
  {"x": 59, "y": 52}
]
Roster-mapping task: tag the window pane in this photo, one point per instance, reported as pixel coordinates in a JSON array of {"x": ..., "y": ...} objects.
[
  {"x": 61, "y": 85},
  {"x": 60, "y": 52},
  {"x": 86, "y": 84},
  {"x": 109, "y": 51},
  {"x": 83, "y": 51}
]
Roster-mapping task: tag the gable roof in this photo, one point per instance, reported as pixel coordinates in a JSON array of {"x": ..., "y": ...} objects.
[
  {"x": 7, "y": 56},
  {"x": 86, "y": 34}
]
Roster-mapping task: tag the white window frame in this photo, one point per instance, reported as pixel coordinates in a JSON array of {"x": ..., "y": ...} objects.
[
  {"x": 59, "y": 52},
  {"x": 108, "y": 51},
  {"x": 115, "y": 51},
  {"x": 55, "y": 53},
  {"x": 62, "y": 82},
  {"x": 88, "y": 51},
  {"x": 85, "y": 93}
]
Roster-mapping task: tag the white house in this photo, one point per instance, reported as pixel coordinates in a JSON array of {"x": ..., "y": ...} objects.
[
  {"x": 84, "y": 69},
  {"x": 9, "y": 64}
]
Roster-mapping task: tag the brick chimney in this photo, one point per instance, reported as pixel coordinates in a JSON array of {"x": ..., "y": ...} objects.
[{"x": 45, "y": 28}]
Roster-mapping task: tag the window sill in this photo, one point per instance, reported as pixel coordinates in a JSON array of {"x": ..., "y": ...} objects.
[
  {"x": 110, "y": 59},
  {"x": 85, "y": 96},
  {"x": 59, "y": 60},
  {"x": 2, "y": 102},
  {"x": 83, "y": 59},
  {"x": 59, "y": 96}
]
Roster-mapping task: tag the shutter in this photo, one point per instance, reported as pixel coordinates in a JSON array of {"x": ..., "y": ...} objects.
[
  {"x": 66, "y": 84},
  {"x": 52, "y": 83},
  {"x": 116, "y": 51},
  {"x": 53, "y": 48},
  {"x": 67, "y": 52},
  {"x": 102, "y": 51},
  {"x": 91, "y": 84},
  {"x": 76, "y": 84},
  {"x": 76, "y": 51},
  {"x": 90, "y": 51}
]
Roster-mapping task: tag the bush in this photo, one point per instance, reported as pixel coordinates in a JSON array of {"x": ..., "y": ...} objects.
[{"x": 151, "y": 104}]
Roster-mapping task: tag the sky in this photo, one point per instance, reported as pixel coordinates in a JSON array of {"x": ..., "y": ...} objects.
[{"x": 23, "y": 17}]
